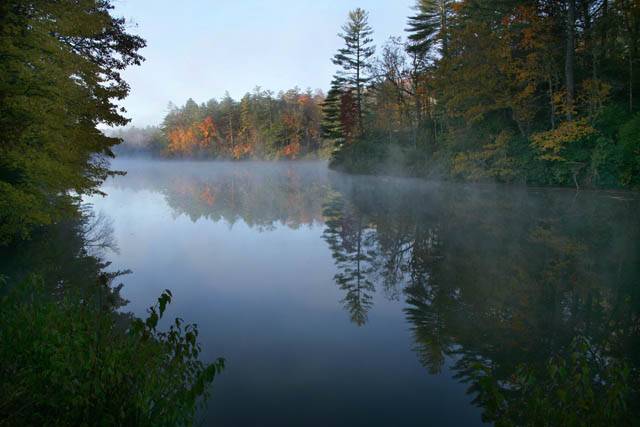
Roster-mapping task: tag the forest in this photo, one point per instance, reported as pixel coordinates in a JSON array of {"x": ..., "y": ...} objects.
[
  {"x": 540, "y": 92},
  {"x": 536, "y": 92},
  {"x": 259, "y": 126}
]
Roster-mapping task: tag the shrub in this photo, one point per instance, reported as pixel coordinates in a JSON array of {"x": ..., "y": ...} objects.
[
  {"x": 630, "y": 145},
  {"x": 75, "y": 361}
]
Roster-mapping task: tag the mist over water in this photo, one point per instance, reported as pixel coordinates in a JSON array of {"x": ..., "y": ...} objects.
[{"x": 346, "y": 300}]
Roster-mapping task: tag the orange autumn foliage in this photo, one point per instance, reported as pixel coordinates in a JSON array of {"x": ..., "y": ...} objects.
[
  {"x": 181, "y": 140},
  {"x": 291, "y": 150},
  {"x": 207, "y": 129},
  {"x": 185, "y": 140},
  {"x": 208, "y": 196},
  {"x": 242, "y": 151}
]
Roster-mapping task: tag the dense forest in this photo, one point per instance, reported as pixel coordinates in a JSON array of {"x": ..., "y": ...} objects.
[
  {"x": 259, "y": 126},
  {"x": 540, "y": 92}
]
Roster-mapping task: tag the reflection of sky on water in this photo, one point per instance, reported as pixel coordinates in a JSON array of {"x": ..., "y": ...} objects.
[
  {"x": 279, "y": 262},
  {"x": 265, "y": 299}
]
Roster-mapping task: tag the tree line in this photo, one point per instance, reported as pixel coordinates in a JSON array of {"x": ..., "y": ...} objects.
[
  {"x": 259, "y": 126},
  {"x": 535, "y": 91},
  {"x": 263, "y": 196}
]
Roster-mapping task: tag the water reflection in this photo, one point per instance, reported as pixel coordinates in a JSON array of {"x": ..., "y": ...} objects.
[
  {"x": 527, "y": 297},
  {"x": 351, "y": 242},
  {"x": 511, "y": 284},
  {"x": 70, "y": 258},
  {"x": 262, "y": 195}
]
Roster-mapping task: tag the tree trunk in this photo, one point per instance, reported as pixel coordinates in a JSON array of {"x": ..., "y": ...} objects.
[
  {"x": 604, "y": 26},
  {"x": 359, "y": 89},
  {"x": 570, "y": 57},
  {"x": 590, "y": 40},
  {"x": 551, "y": 104},
  {"x": 633, "y": 28},
  {"x": 443, "y": 27}
]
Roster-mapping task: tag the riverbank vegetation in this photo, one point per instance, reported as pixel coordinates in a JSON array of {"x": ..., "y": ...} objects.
[
  {"x": 68, "y": 354},
  {"x": 539, "y": 92},
  {"x": 259, "y": 126},
  {"x": 74, "y": 360}
]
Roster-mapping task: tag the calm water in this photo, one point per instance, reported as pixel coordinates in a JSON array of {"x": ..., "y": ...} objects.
[{"x": 360, "y": 301}]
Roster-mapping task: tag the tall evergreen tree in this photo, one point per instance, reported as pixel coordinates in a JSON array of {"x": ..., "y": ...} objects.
[
  {"x": 331, "y": 125},
  {"x": 429, "y": 26},
  {"x": 355, "y": 59}
]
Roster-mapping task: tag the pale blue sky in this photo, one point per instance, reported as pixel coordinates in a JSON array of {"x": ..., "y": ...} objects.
[{"x": 200, "y": 48}]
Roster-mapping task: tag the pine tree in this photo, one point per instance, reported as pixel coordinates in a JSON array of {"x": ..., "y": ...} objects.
[
  {"x": 331, "y": 125},
  {"x": 246, "y": 119},
  {"x": 429, "y": 27},
  {"x": 355, "y": 59}
]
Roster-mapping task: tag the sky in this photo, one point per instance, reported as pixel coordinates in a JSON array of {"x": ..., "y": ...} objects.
[{"x": 201, "y": 48}]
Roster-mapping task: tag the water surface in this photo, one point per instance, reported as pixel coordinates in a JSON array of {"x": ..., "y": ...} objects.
[{"x": 363, "y": 301}]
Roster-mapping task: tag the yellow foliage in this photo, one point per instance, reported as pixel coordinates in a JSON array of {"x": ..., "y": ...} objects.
[
  {"x": 552, "y": 142},
  {"x": 241, "y": 151},
  {"x": 491, "y": 161},
  {"x": 594, "y": 95}
]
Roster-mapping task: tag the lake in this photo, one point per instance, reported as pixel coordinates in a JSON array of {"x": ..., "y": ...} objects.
[{"x": 372, "y": 301}]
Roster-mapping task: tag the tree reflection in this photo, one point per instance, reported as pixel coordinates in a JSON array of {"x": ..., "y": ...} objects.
[
  {"x": 262, "y": 196},
  {"x": 69, "y": 258},
  {"x": 70, "y": 356},
  {"x": 350, "y": 241},
  {"x": 527, "y": 294}
]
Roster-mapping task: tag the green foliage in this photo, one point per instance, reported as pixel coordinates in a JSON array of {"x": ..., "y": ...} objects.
[
  {"x": 75, "y": 361},
  {"x": 354, "y": 74},
  {"x": 331, "y": 125},
  {"x": 487, "y": 96},
  {"x": 362, "y": 157},
  {"x": 60, "y": 75},
  {"x": 428, "y": 26},
  {"x": 578, "y": 388},
  {"x": 630, "y": 146}
]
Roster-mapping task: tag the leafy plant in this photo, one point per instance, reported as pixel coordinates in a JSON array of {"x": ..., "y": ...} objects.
[
  {"x": 579, "y": 388},
  {"x": 75, "y": 361}
]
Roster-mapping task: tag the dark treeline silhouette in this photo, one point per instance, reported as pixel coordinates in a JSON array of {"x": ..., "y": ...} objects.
[
  {"x": 519, "y": 290},
  {"x": 259, "y": 126},
  {"x": 68, "y": 356},
  {"x": 536, "y": 91}
]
